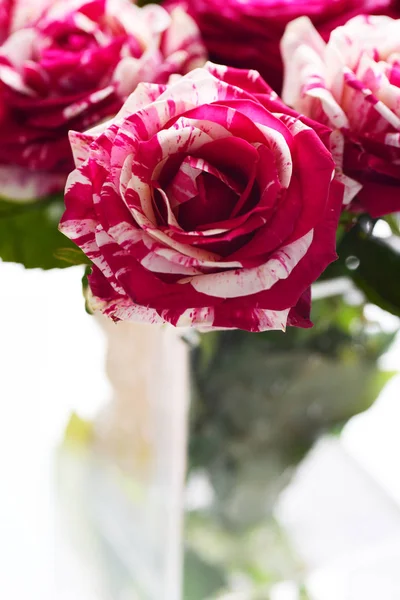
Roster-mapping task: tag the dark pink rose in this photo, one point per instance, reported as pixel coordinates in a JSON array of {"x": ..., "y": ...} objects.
[
  {"x": 205, "y": 203},
  {"x": 72, "y": 68},
  {"x": 352, "y": 85},
  {"x": 246, "y": 33}
]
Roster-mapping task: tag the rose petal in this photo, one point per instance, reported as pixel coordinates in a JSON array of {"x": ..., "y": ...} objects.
[{"x": 245, "y": 282}]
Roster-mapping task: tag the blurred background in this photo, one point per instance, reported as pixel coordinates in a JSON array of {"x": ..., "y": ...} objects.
[{"x": 292, "y": 483}]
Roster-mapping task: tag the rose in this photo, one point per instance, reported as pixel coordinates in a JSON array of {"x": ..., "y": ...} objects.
[
  {"x": 206, "y": 202},
  {"x": 247, "y": 34},
  {"x": 352, "y": 84},
  {"x": 73, "y": 68}
]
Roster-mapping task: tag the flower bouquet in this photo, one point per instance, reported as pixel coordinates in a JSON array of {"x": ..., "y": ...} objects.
[{"x": 215, "y": 197}]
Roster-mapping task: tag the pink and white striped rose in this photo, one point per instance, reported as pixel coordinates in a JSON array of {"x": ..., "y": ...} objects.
[
  {"x": 246, "y": 33},
  {"x": 352, "y": 84},
  {"x": 205, "y": 203},
  {"x": 72, "y": 68}
]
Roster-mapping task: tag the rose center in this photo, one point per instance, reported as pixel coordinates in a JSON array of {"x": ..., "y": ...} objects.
[
  {"x": 73, "y": 41},
  {"x": 213, "y": 203},
  {"x": 199, "y": 194}
]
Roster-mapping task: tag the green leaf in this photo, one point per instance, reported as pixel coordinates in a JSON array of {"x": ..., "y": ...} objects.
[
  {"x": 29, "y": 235},
  {"x": 73, "y": 256},
  {"x": 374, "y": 266}
]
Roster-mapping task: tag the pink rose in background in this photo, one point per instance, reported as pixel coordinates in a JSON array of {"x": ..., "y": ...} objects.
[
  {"x": 246, "y": 34},
  {"x": 205, "y": 203},
  {"x": 352, "y": 84},
  {"x": 72, "y": 69}
]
